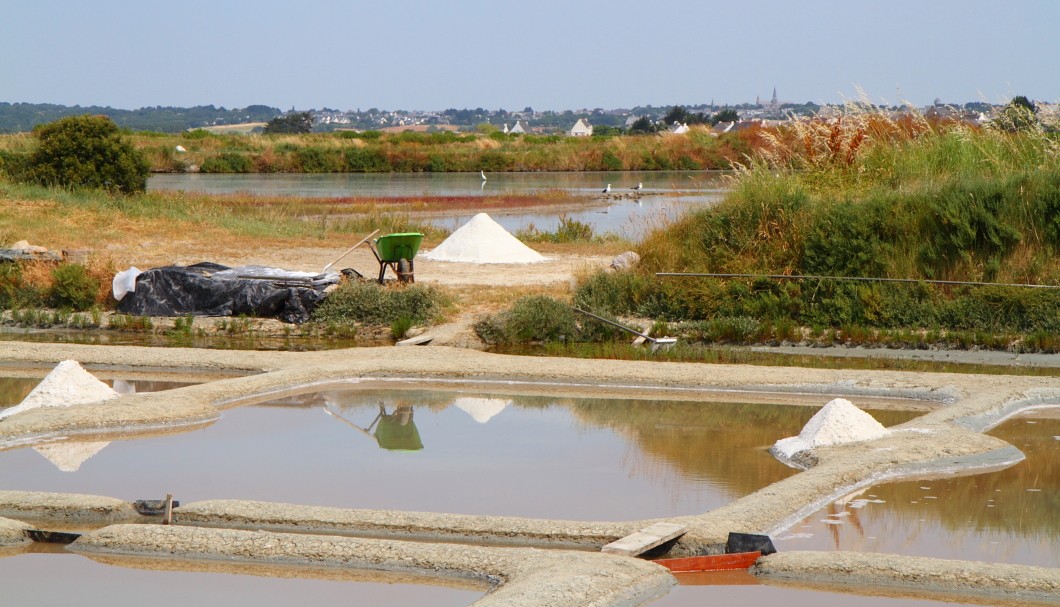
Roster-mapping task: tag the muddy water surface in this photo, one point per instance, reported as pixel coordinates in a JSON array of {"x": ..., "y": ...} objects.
[
  {"x": 750, "y": 592},
  {"x": 473, "y": 453},
  {"x": 1010, "y": 516},
  {"x": 68, "y": 579}
]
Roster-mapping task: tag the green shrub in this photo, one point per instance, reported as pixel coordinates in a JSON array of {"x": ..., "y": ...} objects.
[
  {"x": 318, "y": 160},
  {"x": 87, "y": 152},
  {"x": 366, "y": 160},
  {"x": 373, "y": 304},
  {"x": 74, "y": 287},
  {"x": 10, "y": 283},
  {"x": 536, "y": 318},
  {"x": 227, "y": 162}
]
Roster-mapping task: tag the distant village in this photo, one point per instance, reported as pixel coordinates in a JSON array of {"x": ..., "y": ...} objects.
[
  {"x": 720, "y": 118},
  {"x": 581, "y": 123}
]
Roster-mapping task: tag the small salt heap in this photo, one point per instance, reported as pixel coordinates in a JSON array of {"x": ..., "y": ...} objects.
[
  {"x": 836, "y": 423},
  {"x": 68, "y": 384},
  {"x": 482, "y": 240}
]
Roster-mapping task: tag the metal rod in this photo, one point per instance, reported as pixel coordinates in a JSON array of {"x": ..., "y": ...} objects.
[
  {"x": 855, "y": 278},
  {"x": 615, "y": 324}
]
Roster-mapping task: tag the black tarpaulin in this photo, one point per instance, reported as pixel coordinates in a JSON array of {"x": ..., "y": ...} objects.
[{"x": 210, "y": 289}]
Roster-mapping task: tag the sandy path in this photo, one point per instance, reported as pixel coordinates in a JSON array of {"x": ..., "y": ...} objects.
[{"x": 558, "y": 268}]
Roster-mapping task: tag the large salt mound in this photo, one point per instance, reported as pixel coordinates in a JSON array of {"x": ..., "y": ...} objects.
[
  {"x": 482, "y": 240},
  {"x": 68, "y": 384},
  {"x": 837, "y": 422}
]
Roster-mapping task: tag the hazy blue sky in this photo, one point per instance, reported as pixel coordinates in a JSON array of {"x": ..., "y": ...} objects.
[{"x": 408, "y": 54}]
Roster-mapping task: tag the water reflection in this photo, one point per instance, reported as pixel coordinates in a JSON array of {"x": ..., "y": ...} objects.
[
  {"x": 395, "y": 431},
  {"x": 664, "y": 195},
  {"x": 1009, "y": 516},
  {"x": 469, "y": 452},
  {"x": 30, "y": 579}
]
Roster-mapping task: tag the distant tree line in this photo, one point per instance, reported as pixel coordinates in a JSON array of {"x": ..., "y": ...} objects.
[{"x": 23, "y": 117}]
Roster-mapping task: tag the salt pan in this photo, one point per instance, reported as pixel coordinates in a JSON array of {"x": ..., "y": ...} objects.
[
  {"x": 482, "y": 240},
  {"x": 836, "y": 423}
]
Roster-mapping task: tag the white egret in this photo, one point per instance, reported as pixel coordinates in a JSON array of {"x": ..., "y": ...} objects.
[{"x": 483, "y": 173}]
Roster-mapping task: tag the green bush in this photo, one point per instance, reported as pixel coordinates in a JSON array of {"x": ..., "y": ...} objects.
[
  {"x": 318, "y": 160},
  {"x": 10, "y": 283},
  {"x": 536, "y": 318},
  {"x": 227, "y": 162},
  {"x": 74, "y": 288},
  {"x": 373, "y": 304},
  {"x": 86, "y": 152},
  {"x": 366, "y": 160}
]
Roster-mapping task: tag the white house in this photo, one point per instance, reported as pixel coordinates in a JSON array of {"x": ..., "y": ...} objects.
[
  {"x": 582, "y": 128},
  {"x": 678, "y": 129},
  {"x": 518, "y": 128}
]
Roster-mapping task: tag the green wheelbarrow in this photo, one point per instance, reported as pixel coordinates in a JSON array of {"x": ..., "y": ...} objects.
[{"x": 397, "y": 252}]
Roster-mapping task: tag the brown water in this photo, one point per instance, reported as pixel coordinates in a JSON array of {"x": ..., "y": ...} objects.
[
  {"x": 14, "y": 389},
  {"x": 750, "y": 592},
  {"x": 1010, "y": 516},
  {"x": 593, "y": 459},
  {"x": 68, "y": 579}
]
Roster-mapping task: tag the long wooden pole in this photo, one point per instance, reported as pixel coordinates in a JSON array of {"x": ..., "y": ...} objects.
[{"x": 349, "y": 250}]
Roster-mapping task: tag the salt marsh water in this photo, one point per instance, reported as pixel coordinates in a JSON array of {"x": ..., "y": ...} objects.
[{"x": 664, "y": 193}]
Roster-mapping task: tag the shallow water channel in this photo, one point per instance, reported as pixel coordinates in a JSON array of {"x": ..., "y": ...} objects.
[
  {"x": 471, "y": 451},
  {"x": 664, "y": 193},
  {"x": 69, "y": 579},
  {"x": 1009, "y": 516},
  {"x": 464, "y": 452}
]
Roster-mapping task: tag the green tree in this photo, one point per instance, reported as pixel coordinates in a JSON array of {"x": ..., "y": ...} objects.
[
  {"x": 642, "y": 126},
  {"x": 87, "y": 152},
  {"x": 293, "y": 122},
  {"x": 726, "y": 115},
  {"x": 675, "y": 115}
]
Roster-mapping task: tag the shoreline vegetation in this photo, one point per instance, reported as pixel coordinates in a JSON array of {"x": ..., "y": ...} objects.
[
  {"x": 415, "y": 152},
  {"x": 855, "y": 194}
]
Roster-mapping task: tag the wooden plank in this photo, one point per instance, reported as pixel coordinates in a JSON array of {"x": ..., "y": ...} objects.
[
  {"x": 645, "y": 539},
  {"x": 167, "y": 515},
  {"x": 419, "y": 340}
]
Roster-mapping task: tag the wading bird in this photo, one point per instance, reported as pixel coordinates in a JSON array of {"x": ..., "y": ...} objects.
[
  {"x": 483, "y": 173},
  {"x": 607, "y": 189}
]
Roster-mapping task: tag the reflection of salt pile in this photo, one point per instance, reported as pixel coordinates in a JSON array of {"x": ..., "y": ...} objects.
[
  {"x": 483, "y": 240},
  {"x": 68, "y": 457},
  {"x": 68, "y": 384},
  {"x": 837, "y": 422},
  {"x": 481, "y": 409}
]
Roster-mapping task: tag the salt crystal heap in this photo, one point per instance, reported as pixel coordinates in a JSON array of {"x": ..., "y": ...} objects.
[
  {"x": 482, "y": 240},
  {"x": 68, "y": 384},
  {"x": 836, "y": 423}
]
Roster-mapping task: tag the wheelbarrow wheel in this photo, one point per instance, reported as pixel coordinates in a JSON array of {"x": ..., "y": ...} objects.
[{"x": 404, "y": 270}]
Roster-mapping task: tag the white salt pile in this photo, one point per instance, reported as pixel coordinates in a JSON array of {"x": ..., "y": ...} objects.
[
  {"x": 837, "y": 422},
  {"x": 482, "y": 240},
  {"x": 68, "y": 384},
  {"x": 481, "y": 409}
]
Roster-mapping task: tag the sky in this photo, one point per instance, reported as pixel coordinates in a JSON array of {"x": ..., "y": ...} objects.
[{"x": 545, "y": 54}]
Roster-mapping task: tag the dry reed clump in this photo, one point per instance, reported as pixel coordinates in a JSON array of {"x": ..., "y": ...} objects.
[{"x": 38, "y": 274}]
